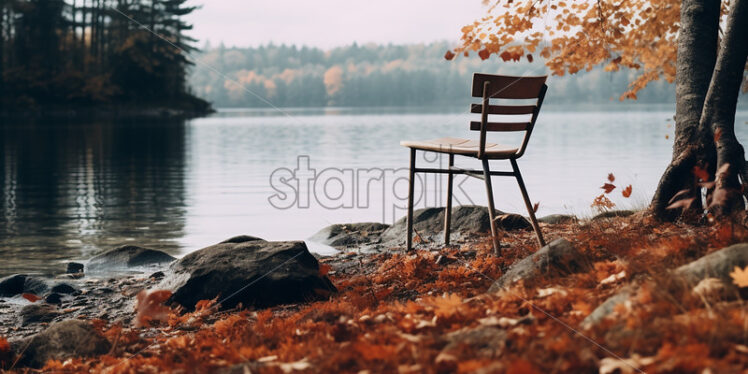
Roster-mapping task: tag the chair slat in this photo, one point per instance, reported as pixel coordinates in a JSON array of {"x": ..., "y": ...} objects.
[
  {"x": 501, "y": 126},
  {"x": 503, "y": 109},
  {"x": 505, "y": 87}
]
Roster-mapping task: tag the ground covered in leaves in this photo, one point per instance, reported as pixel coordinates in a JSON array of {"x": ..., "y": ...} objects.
[{"x": 428, "y": 311}]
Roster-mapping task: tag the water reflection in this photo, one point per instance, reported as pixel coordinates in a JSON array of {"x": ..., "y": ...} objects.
[{"x": 73, "y": 189}]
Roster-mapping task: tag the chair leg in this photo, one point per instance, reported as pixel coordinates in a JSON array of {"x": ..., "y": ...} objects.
[
  {"x": 411, "y": 184},
  {"x": 528, "y": 204},
  {"x": 448, "y": 209},
  {"x": 491, "y": 208}
]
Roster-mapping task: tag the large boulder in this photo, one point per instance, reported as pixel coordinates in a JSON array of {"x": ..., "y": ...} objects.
[
  {"x": 21, "y": 283},
  {"x": 511, "y": 222},
  {"x": 429, "y": 223},
  {"x": 558, "y": 257},
  {"x": 349, "y": 234},
  {"x": 718, "y": 264},
  {"x": 128, "y": 256},
  {"x": 254, "y": 273},
  {"x": 60, "y": 341},
  {"x": 241, "y": 239}
]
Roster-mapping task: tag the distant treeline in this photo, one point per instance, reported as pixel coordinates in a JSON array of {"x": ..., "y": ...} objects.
[
  {"x": 57, "y": 55},
  {"x": 379, "y": 75}
]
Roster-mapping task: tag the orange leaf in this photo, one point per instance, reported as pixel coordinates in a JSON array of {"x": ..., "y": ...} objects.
[
  {"x": 535, "y": 207},
  {"x": 700, "y": 173},
  {"x": 150, "y": 308},
  {"x": 626, "y": 192},
  {"x": 449, "y": 55},
  {"x": 740, "y": 277},
  {"x": 484, "y": 54},
  {"x": 529, "y": 57},
  {"x": 31, "y": 297},
  {"x": 608, "y": 187},
  {"x": 611, "y": 177},
  {"x": 4, "y": 345},
  {"x": 324, "y": 269}
]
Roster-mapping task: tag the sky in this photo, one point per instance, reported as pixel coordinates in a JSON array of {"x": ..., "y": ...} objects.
[{"x": 331, "y": 23}]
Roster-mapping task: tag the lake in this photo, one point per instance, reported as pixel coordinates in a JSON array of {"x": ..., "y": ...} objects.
[{"x": 70, "y": 190}]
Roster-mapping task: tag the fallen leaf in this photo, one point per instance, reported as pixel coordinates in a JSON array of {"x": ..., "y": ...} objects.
[
  {"x": 529, "y": 57},
  {"x": 445, "y": 306},
  {"x": 31, "y": 297},
  {"x": 626, "y": 191},
  {"x": 608, "y": 187},
  {"x": 700, "y": 173},
  {"x": 740, "y": 277},
  {"x": 614, "y": 278},
  {"x": 150, "y": 308},
  {"x": 324, "y": 269}
]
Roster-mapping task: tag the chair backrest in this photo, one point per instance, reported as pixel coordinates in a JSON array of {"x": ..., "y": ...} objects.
[{"x": 487, "y": 86}]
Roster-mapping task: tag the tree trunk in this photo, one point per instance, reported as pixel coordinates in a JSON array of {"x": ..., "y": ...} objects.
[
  {"x": 719, "y": 111},
  {"x": 693, "y": 145}
]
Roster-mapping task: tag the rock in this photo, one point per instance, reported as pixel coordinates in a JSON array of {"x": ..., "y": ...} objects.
[
  {"x": 554, "y": 219},
  {"x": 38, "y": 312},
  {"x": 21, "y": 283},
  {"x": 429, "y": 222},
  {"x": 511, "y": 222},
  {"x": 559, "y": 257},
  {"x": 482, "y": 341},
  {"x": 74, "y": 267},
  {"x": 607, "y": 307},
  {"x": 240, "y": 239},
  {"x": 613, "y": 214},
  {"x": 53, "y": 298},
  {"x": 717, "y": 264},
  {"x": 349, "y": 234},
  {"x": 708, "y": 277},
  {"x": 254, "y": 273},
  {"x": 65, "y": 288},
  {"x": 128, "y": 256},
  {"x": 157, "y": 275},
  {"x": 60, "y": 341}
]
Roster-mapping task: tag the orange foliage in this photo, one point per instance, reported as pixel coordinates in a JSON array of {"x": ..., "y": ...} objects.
[{"x": 576, "y": 35}]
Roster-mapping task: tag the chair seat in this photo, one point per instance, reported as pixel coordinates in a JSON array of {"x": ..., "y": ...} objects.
[{"x": 462, "y": 147}]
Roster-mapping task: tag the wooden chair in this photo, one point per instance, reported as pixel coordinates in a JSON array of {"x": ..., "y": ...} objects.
[{"x": 486, "y": 87}]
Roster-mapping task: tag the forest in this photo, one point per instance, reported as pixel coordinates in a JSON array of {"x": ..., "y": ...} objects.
[
  {"x": 68, "y": 56},
  {"x": 380, "y": 75}
]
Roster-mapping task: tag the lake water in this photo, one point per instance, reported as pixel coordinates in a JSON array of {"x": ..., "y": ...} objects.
[{"x": 70, "y": 190}]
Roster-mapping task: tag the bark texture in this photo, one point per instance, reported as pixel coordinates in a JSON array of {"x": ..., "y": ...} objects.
[
  {"x": 719, "y": 112},
  {"x": 693, "y": 144}
]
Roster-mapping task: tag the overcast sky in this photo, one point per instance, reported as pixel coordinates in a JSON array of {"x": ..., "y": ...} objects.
[{"x": 330, "y": 23}]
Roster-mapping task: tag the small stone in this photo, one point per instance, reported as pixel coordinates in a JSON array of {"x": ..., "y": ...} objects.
[
  {"x": 36, "y": 313},
  {"x": 74, "y": 267},
  {"x": 157, "y": 275},
  {"x": 65, "y": 288},
  {"x": 53, "y": 298}
]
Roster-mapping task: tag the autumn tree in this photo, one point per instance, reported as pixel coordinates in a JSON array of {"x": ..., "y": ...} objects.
[{"x": 698, "y": 44}]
